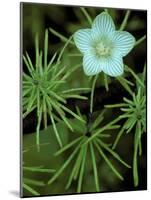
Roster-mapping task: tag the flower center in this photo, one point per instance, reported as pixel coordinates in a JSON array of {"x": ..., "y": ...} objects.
[{"x": 103, "y": 49}]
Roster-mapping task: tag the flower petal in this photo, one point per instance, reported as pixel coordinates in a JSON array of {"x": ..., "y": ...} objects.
[
  {"x": 83, "y": 39},
  {"x": 91, "y": 64},
  {"x": 103, "y": 24},
  {"x": 113, "y": 66},
  {"x": 123, "y": 42}
]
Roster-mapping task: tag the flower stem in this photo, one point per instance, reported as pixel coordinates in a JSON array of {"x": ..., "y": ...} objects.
[
  {"x": 87, "y": 15},
  {"x": 140, "y": 40},
  {"x": 38, "y": 131},
  {"x": 59, "y": 35},
  {"x": 31, "y": 190},
  {"x": 136, "y": 148},
  {"x": 106, "y": 82},
  {"x": 92, "y": 93},
  {"x": 96, "y": 178},
  {"x": 135, "y": 76},
  {"x": 106, "y": 10},
  {"x": 118, "y": 138},
  {"x": 124, "y": 84},
  {"x": 45, "y": 119},
  {"x": 124, "y": 23}
]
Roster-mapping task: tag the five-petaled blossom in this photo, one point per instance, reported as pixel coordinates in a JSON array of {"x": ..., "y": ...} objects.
[{"x": 103, "y": 47}]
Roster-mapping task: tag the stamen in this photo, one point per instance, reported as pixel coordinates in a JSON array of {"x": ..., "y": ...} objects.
[{"x": 102, "y": 49}]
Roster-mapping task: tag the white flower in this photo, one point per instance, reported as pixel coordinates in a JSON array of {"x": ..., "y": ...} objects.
[{"x": 103, "y": 47}]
